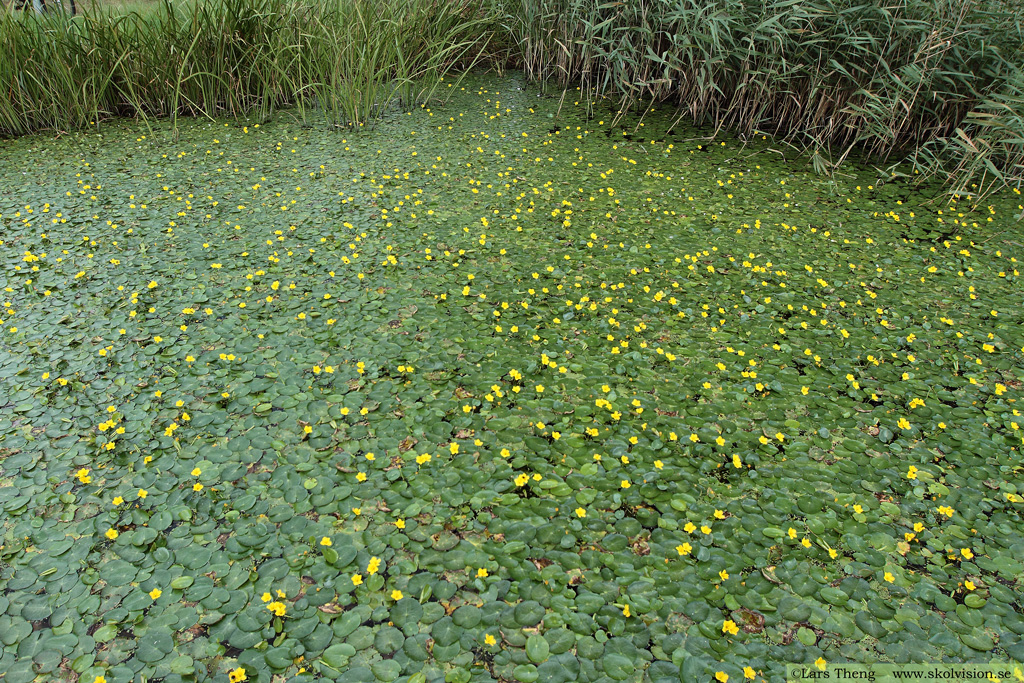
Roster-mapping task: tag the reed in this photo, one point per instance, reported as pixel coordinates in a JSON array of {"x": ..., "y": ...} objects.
[
  {"x": 343, "y": 59},
  {"x": 932, "y": 79},
  {"x": 937, "y": 82}
]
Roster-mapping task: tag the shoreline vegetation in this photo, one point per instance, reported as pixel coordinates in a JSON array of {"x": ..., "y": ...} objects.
[{"x": 934, "y": 83}]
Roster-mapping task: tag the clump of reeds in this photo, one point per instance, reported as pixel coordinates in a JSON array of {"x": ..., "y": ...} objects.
[
  {"x": 345, "y": 59},
  {"x": 936, "y": 80},
  {"x": 939, "y": 77}
]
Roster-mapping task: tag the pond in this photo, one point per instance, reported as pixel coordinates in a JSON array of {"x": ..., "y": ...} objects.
[{"x": 502, "y": 388}]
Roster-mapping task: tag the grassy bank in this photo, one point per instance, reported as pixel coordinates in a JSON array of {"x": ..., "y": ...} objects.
[{"x": 931, "y": 80}]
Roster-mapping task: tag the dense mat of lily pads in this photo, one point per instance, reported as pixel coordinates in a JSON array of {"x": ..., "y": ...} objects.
[{"x": 496, "y": 391}]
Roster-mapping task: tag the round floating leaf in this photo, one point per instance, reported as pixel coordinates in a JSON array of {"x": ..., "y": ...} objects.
[
  {"x": 445, "y": 632},
  {"x": 618, "y": 667},
  {"x": 337, "y": 656},
  {"x": 537, "y": 648},
  {"x": 388, "y": 640},
  {"x": 155, "y": 645},
  {"x": 528, "y": 613},
  {"x": 118, "y": 572},
  {"x": 526, "y": 673},
  {"x": 467, "y": 616},
  {"x": 387, "y": 670},
  {"x": 406, "y": 613},
  {"x": 182, "y": 582}
]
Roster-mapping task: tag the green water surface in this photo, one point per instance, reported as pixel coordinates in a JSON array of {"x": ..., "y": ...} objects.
[{"x": 497, "y": 391}]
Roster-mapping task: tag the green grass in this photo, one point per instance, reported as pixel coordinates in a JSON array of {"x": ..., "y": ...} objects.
[{"x": 522, "y": 359}]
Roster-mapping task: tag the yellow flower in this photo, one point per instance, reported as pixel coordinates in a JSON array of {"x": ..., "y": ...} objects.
[
  {"x": 625, "y": 484},
  {"x": 196, "y": 472},
  {"x": 889, "y": 577},
  {"x": 155, "y": 593},
  {"x": 266, "y": 597},
  {"x": 400, "y": 523},
  {"x": 111, "y": 534},
  {"x": 966, "y": 552},
  {"x": 396, "y": 595},
  {"x": 969, "y": 585},
  {"x": 489, "y": 640},
  {"x": 374, "y": 566},
  {"x": 722, "y": 677},
  {"x": 684, "y": 549},
  {"x": 277, "y": 607},
  {"x": 481, "y": 572},
  {"x": 730, "y": 627},
  {"x": 723, "y": 575},
  {"x": 625, "y": 610},
  {"x": 361, "y": 476},
  {"x": 580, "y": 512},
  {"x": 749, "y": 672},
  {"x": 820, "y": 663},
  {"x": 237, "y": 675},
  {"x": 143, "y": 493},
  {"x": 197, "y": 487},
  {"x": 117, "y": 501},
  {"x": 357, "y": 579},
  {"x": 325, "y": 541}
]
